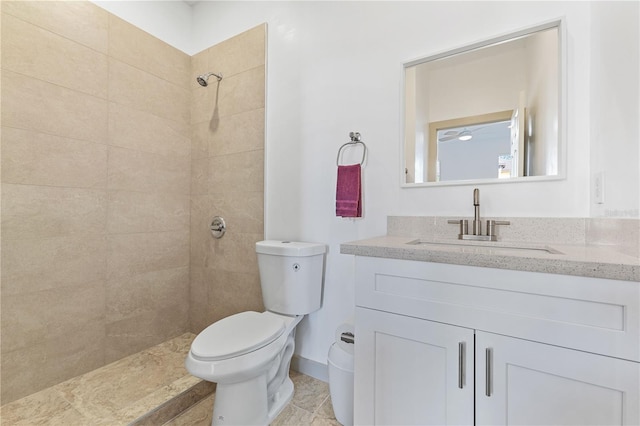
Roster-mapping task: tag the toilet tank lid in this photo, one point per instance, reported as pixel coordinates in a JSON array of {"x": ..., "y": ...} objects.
[{"x": 290, "y": 248}]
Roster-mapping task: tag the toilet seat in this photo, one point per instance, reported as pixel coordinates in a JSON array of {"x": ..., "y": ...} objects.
[{"x": 236, "y": 335}]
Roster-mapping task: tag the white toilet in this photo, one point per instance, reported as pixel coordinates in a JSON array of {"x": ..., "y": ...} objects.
[{"x": 248, "y": 354}]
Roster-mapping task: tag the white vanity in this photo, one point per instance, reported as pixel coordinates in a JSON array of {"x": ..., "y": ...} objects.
[{"x": 524, "y": 336}]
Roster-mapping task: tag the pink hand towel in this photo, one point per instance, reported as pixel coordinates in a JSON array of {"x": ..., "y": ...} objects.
[{"x": 349, "y": 191}]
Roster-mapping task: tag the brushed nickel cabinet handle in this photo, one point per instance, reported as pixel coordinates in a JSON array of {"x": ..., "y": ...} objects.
[
  {"x": 461, "y": 353},
  {"x": 488, "y": 354}
]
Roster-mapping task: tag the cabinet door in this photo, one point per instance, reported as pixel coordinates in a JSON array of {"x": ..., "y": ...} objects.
[
  {"x": 411, "y": 371},
  {"x": 534, "y": 383}
]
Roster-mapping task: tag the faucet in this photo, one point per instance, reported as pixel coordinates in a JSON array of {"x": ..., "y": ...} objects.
[
  {"x": 476, "y": 229},
  {"x": 477, "y": 223}
]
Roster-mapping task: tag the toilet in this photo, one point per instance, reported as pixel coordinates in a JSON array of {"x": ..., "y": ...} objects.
[{"x": 248, "y": 354}]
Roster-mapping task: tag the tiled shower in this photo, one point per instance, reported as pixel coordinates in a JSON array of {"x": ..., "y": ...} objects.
[{"x": 114, "y": 161}]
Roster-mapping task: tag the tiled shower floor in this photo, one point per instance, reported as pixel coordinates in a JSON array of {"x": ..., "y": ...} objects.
[{"x": 151, "y": 387}]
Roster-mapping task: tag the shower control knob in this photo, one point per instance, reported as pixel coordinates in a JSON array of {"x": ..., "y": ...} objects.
[{"x": 218, "y": 227}]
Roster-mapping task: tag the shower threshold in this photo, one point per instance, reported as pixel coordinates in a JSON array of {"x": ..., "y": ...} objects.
[{"x": 147, "y": 388}]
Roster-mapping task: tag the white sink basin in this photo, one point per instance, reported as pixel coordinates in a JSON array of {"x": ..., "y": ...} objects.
[{"x": 487, "y": 247}]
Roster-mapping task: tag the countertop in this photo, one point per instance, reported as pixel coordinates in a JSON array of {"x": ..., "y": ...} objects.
[{"x": 595, "y": 261}]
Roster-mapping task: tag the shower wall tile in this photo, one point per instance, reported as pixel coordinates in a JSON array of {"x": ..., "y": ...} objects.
[
  {"x": 140, "y": 90},
  {"x": 132, "y": 170},
  {"x": 143, "y": 131},
  {"x": 200, "y": 170},
  {"x": 241, "y": 172},
  {"x": 132, "y": 212},
  {"x": 35, "y": 52},
  {"x": 96, "y": 177},
  {"x": 240, "y": 53},
  {"x": 205, "y": 102},
  {"x": 131, "y": 296},
  {"x": 29, "y": 103},
  {"x": 30, "y": 211},
  {"x": 49, "y": 314},
  {"x": 239, "y": 133},
  {"x": 139, "y": 332},
  {"x": 131, "y": 254},
  {"x": 224, "y": 288},
  {"x": 53, "y": 360},
  {"x": 202, "y": 213},
  {"x": 35, "y": 158},
  {"x": 148, "y": 53},
  {"x": 82, "y": 22},
  {"x": 242, "y": 92},
  {"x": 40, "y": 264},
  {"x": 247, "y": 209},
  {"x": 200, "y": 135},
  {"x": 236, "y": 254},
  {"x": 227, "y": 179}
]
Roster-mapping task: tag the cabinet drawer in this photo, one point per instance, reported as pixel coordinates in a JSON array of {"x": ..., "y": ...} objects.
[{"x": 589, "y": 314}]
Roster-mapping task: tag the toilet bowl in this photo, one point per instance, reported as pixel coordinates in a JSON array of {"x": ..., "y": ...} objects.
[{"x": 248, "y": 354}]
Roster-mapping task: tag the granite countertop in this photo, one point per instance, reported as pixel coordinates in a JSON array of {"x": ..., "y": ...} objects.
[{"x": 596, "y": 261}]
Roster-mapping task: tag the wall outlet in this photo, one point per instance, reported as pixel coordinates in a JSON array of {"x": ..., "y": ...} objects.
[{"x": 598, "y": 190}]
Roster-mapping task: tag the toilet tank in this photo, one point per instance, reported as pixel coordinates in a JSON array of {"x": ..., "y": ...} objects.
[{"x": 291, "y": 275}]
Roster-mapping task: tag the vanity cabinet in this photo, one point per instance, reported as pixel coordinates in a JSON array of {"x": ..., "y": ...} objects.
[{"x": 452, "y": 344}]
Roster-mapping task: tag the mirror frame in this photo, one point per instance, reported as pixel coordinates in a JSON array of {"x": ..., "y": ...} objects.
[{"x": 562, "y": 101}]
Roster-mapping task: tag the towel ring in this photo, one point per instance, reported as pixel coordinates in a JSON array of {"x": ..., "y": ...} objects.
[{"x": 355, "y": 139}]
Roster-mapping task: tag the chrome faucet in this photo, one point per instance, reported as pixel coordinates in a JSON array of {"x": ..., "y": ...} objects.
[
  {"x": 477, "y": 224},
  {"x": 476, "y": 228}
]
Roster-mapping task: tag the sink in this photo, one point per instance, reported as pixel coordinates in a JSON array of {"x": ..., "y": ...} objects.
[{"x": 489, "y": 248}]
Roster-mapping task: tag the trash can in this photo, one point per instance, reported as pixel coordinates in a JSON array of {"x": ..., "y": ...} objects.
[{"x": 340, "y": 365}]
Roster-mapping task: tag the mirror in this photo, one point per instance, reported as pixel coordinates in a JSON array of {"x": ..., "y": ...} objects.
[{"x": 488, "y": 112}]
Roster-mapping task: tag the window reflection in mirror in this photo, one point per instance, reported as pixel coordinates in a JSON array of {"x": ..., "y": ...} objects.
[{"x": 510, "y": 80}]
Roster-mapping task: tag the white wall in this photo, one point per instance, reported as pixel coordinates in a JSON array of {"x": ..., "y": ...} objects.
[
  {"x": 615, "y": 107},
  {"x": 335, "y": 67}
]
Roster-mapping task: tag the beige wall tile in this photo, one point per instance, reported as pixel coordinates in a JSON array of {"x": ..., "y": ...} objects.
[
  {"x": 238, "y": 133},
  {"x": 244, "y": 210},
  {"x": 202, "y": 213},
  {"x": 201, "y": 133},
  {"x": 131, "y": 170},
  {"x": 148, "y": 52},
  {"x": 49, "y": 362},
  {"x": 141, "y": 90},
  {"x": 36, "y": 52},
  {"x": 225, "y": 288},
  {"x": 143, "y": 131},
  {"x": 50, "y": 314},
  {"x": 30, "y": 211},
  {"x": 39, "y": 264},
  {"x": 243, "y": 52},
  {"x": 30, "y": 157},
  {"x": 81, "y": 21},
  {"x": 131, "y": 254},
  {"x": 234, "y": 253},
  {"x": 204, "y": 103},
  {"x": 28, "y": 103},
  {"x": 147, "y": 212},
  {"x": 133, "y": 295},
  {"x": 242, "y": 172},
  {"x": 242, "y": 92},
  {"x": 139, "y": 332},
  {"x": 200, "y": 169}
]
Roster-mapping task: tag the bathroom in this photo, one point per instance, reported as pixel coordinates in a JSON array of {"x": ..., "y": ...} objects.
[{"x": 329, "y": 68}]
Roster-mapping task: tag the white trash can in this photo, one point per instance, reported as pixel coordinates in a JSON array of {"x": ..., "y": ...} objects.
[{"x": 340, "y": 365}]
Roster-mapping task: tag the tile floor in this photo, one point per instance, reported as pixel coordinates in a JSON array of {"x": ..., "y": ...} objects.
[
  {"x": 148, "y": 388},
  {"x": 311, "y": 405}
]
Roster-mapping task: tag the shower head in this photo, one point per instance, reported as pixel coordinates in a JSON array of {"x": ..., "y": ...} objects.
[{"x": 203, "y": 79}]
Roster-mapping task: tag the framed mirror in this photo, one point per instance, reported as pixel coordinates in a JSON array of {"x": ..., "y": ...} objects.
[{"x": 488, "y": 112}]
